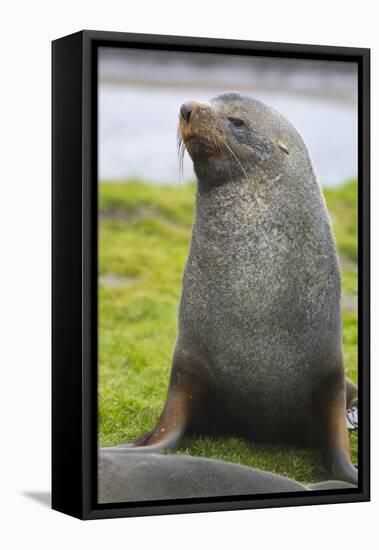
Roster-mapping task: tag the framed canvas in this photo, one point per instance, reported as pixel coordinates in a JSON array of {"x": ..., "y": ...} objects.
[{"x": 210, "y": 310}]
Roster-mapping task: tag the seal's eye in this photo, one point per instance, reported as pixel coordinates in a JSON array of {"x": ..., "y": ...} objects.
[{"x": 236, "y": 121}]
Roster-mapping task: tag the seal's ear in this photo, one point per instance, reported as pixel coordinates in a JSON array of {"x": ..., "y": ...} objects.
[{"x": 283, "y": 147}]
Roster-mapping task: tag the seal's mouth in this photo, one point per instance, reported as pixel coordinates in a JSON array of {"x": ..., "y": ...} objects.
[
  {"x": 198, "y": 145},
  {"x": 195, "y": 140}
]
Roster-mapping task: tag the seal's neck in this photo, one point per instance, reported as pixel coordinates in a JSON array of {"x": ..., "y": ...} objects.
[
  {"x": 227, "y": 211},
  {"x": 248, "y": 208},
  {"x": 217, "y": 172}
]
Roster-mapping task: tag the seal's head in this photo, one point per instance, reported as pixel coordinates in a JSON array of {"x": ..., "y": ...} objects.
[{"x": 235, "y": 136}]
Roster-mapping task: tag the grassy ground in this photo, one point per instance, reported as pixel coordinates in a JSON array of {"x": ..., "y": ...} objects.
[{"x": 144, "y": 238}]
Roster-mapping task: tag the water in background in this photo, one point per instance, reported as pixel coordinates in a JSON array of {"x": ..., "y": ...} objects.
[{"x": 140, "y": 93}]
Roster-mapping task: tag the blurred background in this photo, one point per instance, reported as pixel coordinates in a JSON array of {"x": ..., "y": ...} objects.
[{"x": 140, "y": 93}]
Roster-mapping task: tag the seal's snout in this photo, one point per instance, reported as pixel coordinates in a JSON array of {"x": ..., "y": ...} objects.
[
  {"x": 186, "y": 110},
  {"x": 196, "y": 130}
]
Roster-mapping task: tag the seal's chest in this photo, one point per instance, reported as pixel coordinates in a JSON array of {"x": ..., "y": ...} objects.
[{"x": 262, "y": 398}]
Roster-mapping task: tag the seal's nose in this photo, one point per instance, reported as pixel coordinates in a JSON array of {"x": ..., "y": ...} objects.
[{"x": 186, "y": 110}]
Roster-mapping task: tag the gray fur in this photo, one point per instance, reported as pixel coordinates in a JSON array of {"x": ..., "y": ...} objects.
[
  {"x": 124, "y": 477},
  {"x": 260, "y": 300}
]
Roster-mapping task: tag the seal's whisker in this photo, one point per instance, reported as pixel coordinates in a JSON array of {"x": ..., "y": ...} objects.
[
  {"x": 248, "y": 180},
  {"x": 180, "y": 156},
  {"x": 232, "y": 155},
  {"x": 237, "y": 159},
  {"x": 227, "y": 164},
  {"x": 217, "y": 147},
  {"x": 181, "y": 151}
]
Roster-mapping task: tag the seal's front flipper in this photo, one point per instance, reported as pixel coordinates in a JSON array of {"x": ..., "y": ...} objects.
[
  {"x": 334, "y": 436},
  {"x": 186, "y": 395},
  {"x": 139, "y": 441}
]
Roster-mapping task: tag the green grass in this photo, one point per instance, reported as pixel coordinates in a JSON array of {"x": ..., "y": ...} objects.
[{"x": 144, "y": 238}]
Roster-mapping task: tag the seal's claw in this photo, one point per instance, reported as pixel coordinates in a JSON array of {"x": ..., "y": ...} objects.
[{"x": 352, "y": 418}]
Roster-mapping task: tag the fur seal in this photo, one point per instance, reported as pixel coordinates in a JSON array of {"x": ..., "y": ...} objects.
[
  {"x": 139, "y": 477},
  {"x": 259, "y": 344}
]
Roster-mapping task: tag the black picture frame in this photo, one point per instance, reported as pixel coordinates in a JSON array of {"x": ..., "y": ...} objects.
[{"x": 74, "y": 272}]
